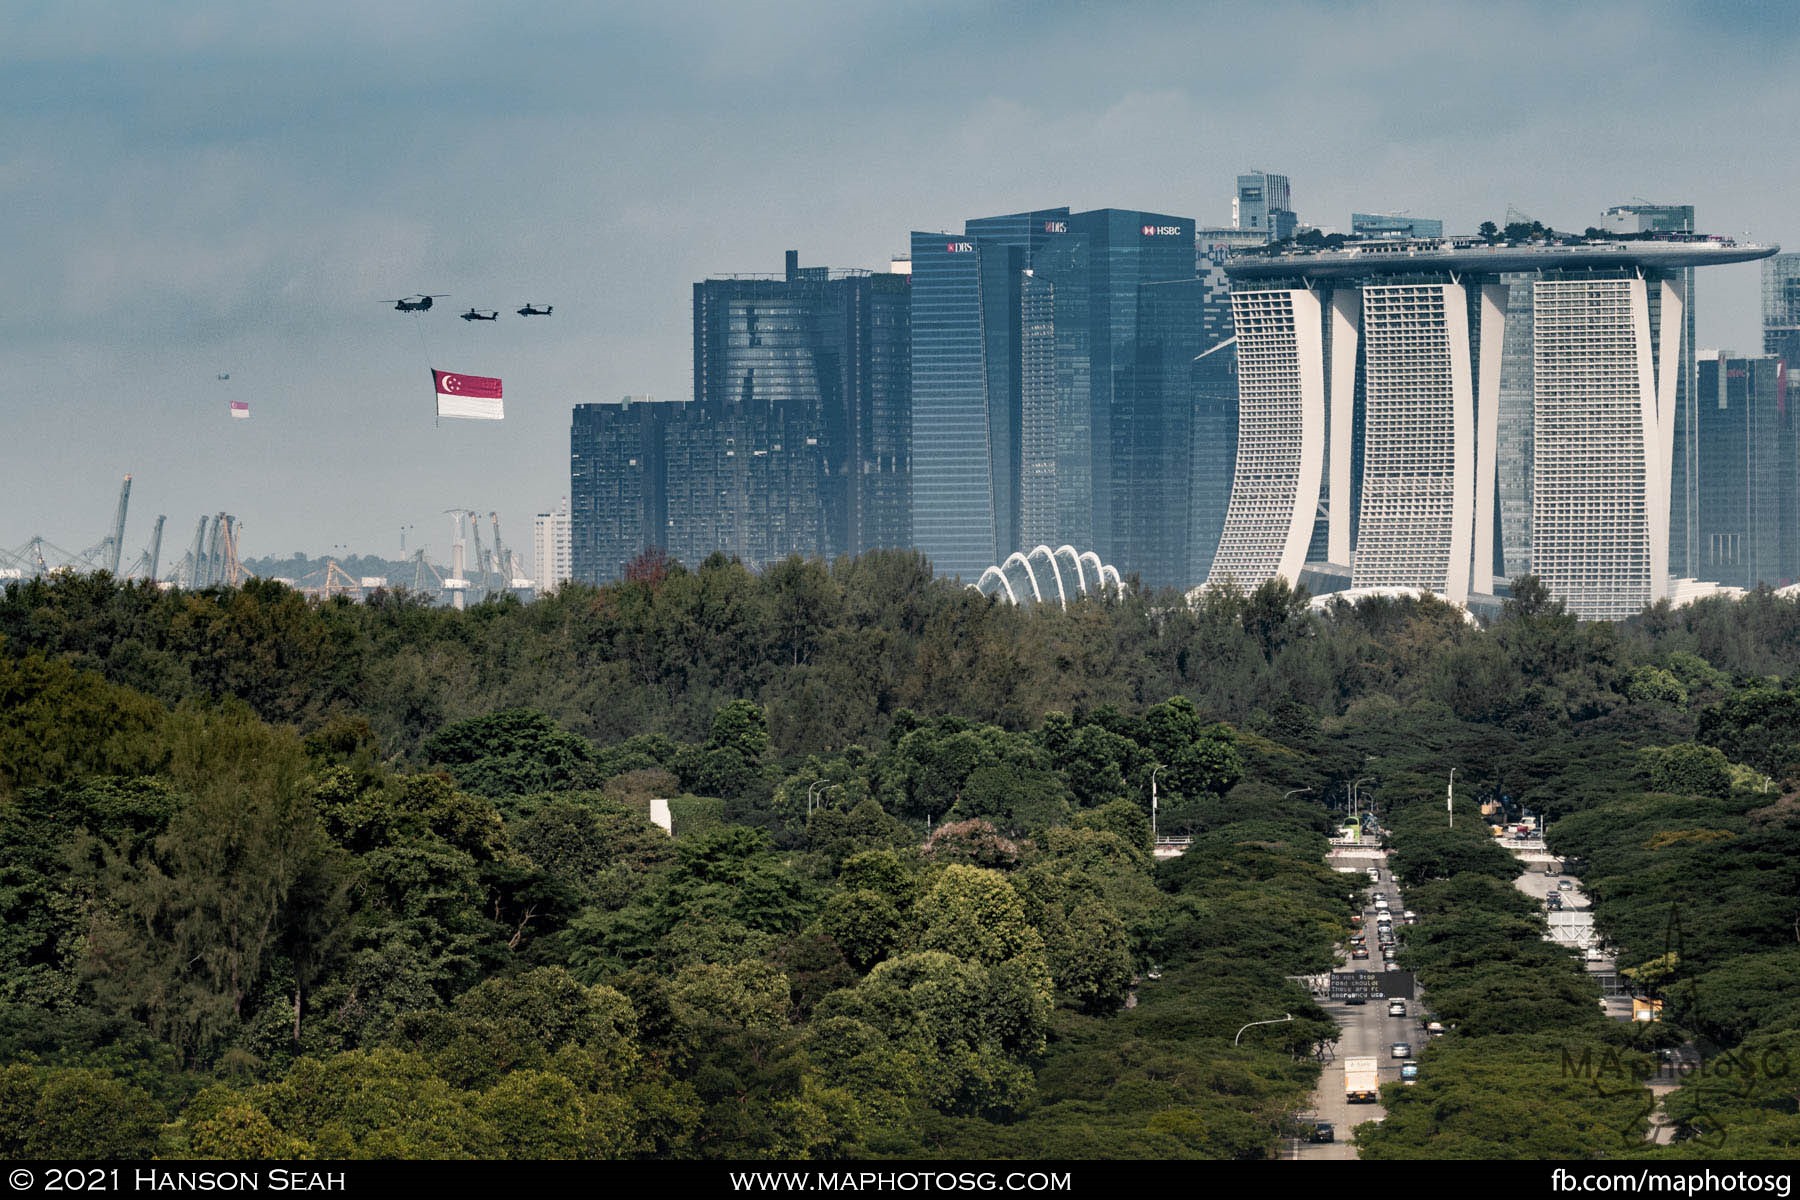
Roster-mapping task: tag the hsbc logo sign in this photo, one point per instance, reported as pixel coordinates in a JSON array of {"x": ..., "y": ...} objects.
[
  {"x": 1162, "y": 231},
  {"x": 959, "y": 248},
  {"x": 1056, "y": 227}
]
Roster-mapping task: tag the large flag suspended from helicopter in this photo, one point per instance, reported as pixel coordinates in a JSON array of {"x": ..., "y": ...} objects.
[
  {"x": 474, "y": 396},
  {"x": 240, "y": 409}
]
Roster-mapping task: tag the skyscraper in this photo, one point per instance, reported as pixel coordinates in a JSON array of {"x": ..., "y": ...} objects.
[
  {"x": 616, "y": 484},
  {"x": 815, "y": 369},
  {"x": 552, "y": 552},
  {"x": 1749, "y": 473},
  {"x": 1645, "y": 219},
  {"x": 1397, "y": 349},
  {"x": 1781, "y": 308},
  {"x": 1047, "y": 403},
  {"x": 1263, "y": 205}
]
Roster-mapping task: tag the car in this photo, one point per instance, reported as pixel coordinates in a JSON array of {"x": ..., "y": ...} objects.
[
  {"x": 1381, "y": 903},
  {"x": 1321, "y": 1131},
  {"x": 1354, "y": 1000},
  {"x": 1402, "y": 1049},
  {"x": 1409, "y": 1072},
  {"x": 1359, "y": 952},
  {"x": 1434, "y": 1029},
  {"x": 1358, "y": 940},
  {"x": 1396, "y": 1008},
  {"x": 1565, "y": 885},
  {"x": 1409, "y": 916}
]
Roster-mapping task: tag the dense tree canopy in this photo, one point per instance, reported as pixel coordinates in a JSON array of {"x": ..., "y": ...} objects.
[{"x": 287, "y": 878}]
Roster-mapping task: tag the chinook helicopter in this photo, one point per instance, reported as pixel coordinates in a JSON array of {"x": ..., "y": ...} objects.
[{"x": 415, "y": 304}]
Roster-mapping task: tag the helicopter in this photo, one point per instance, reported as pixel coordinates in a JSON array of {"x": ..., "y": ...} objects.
[
  {"x": 413, "y": 304},
  {"x": 492, "y": 314},
  {"x": 529, "y": 311}
]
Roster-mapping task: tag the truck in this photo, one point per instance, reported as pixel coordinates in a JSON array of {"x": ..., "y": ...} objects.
[{"x": 1360, "y": 1082}]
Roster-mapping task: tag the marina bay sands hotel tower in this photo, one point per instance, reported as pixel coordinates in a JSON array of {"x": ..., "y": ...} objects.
[{"x": 1370, "y": 424}]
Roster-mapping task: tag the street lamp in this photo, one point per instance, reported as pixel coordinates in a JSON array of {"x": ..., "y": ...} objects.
[
  {"x": 1153, "y": 776},
  {"x": 1283, "y": 1020},
  {"x": 1356, "y": 800},
  {"x": 1294, "y": 792},
  {"x": 1450, "y": 798}
]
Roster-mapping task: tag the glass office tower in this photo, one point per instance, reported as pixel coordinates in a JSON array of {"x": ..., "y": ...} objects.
[
  {"x": 1749, "y": 473},
  {"x": 1042, "y": 414},
  {"x": 616, "y": 484},
  {"x": 1781, "y": 308}
]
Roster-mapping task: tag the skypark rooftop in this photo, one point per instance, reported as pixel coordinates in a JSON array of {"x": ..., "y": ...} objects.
[{"x": 1477, "y": 257}]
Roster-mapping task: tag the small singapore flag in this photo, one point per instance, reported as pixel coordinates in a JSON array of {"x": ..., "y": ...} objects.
[
  {"x": 240, "y": 409},
  {"x": 473, "y": 396}
]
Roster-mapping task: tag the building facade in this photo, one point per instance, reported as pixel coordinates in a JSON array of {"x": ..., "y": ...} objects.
[
  {"x": 552, "y": 554},
  {"x": 1052, "y": 390},
  {"x": 812, "y": 372},
  {"x": 1400, "y": 225},
  {"x": 1372, "y": 382},
  {"x": 1263, "y": 204},
  {"x": 1749, "y": 472},
  {"x": 617, "y": 487},
  {"x": 1781, "y": 308}
]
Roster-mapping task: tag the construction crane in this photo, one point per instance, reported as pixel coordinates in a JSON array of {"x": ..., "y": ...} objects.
[
  {"x": 458, "y": 583},
  {"x": 422, "y": 569},
  {"x": 231, "y": 572},
  {"x": 502, "y": 557},
  {"x": 195, "y": 568},
  {"x": 155, "y": 549},
  {"x": 118, "y": 533},
  {"x": 481, "y": 558},
  {"x": 145, "y": 565},
  {"x": 336, "y": 576}
]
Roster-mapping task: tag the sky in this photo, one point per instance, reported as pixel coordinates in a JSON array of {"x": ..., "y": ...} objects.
[{"x": 204, "y": 187}]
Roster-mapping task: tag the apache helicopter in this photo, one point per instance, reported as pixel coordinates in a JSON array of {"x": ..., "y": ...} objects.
[
  {"x": 529, "y": 311},
  {"x": 414, "y": 304},
  {"x": 492, "y": 314}
]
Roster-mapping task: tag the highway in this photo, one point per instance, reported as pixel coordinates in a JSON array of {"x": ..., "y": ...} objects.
[{"x": 1368, "y": 1030}]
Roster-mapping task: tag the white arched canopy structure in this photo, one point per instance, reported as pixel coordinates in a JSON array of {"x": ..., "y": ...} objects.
[
  {"x": 1049, "y": 561},
  {"x": 1026, "y": 577}
]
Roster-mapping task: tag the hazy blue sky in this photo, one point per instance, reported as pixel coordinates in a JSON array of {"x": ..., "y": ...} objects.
[{"x": 191, "y": 188}]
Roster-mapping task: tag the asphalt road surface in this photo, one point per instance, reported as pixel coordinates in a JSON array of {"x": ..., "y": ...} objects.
[{"x": 1368, "y": 1030}]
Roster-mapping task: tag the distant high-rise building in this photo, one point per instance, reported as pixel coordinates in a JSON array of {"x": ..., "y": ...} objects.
[
  {"x": 1645, "y": 218},
  {"x": 1395, "y": 225},
  {"x": 815, "y": 369},
  {"x": 1749, "y": 473},
  {"x": 1048, "y": 406},
  {"x": 1263, "y": 205},
  {"x": 1781, "y": 308},
  {"x": 616, "y": 484},
  {"x": 1377, "y": 377},
  {"x": 552, "y": 549}
]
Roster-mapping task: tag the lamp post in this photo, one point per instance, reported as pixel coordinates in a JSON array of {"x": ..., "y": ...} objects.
[
  {"x": 1153, "y": 776},
  {"x": 1283, "y": 1020},
  {"x": 1450, "y": 798},
  {"x": 1356, "y": 800},
  {"x": 1294, "y": 792}
]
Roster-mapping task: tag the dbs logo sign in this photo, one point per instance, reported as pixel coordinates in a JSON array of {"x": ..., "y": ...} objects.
[{"x": 959, "y": 248}]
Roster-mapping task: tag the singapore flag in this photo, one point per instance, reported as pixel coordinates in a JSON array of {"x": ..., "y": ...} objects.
[{"x": 474, "y": 396}]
